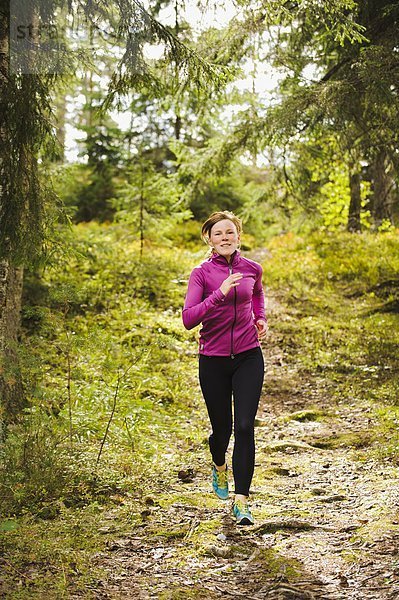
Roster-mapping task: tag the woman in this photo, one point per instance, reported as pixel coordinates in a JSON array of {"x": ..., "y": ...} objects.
[{"x": 225, "y": 294}]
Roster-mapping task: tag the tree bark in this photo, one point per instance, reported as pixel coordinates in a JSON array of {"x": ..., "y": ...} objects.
[
  {"x": 382, "y": 185},
  {"x": 177, "y": 126},
  {"x": 354, "y": 223},
  {"x": 11, "y": 389}
]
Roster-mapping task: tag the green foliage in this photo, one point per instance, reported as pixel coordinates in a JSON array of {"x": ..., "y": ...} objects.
[
  {"x": 249, "y": 191},
  {"x": 335, "y": 199},
  {"x": 104, "y": 152},
  {"x": 109, "y": 327},
  {"x": 317, "y": 176},
  {"x": 42, "y": 566},
  {"x": 321, "y": 258},
  {"x": 336, "y": 81},
  {"x": 342, "y": 290},
  {"x": 26, "y": 100},
  {"x": 182, "y": 68},
  {"x": 150, "y": 202},
  {"x": 23, "y": 195}
]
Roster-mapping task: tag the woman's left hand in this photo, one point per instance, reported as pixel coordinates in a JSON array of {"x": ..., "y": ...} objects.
[{"x": 262, "y": 327}]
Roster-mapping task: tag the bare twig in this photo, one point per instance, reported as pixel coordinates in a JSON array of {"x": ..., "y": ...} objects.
[
  {"x": 121, "y": 376},
  {"x": 194, "y": 525},
  {"x": 69, "y": 377},
  {"x": 110, "y": 417},
  {"x": 14, "y": 568}
]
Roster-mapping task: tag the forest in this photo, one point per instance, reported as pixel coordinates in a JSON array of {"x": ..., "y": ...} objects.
[{"x": 123, "y": 125}]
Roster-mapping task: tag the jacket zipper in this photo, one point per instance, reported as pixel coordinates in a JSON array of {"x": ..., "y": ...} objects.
[{"x": 235, "y": 315}]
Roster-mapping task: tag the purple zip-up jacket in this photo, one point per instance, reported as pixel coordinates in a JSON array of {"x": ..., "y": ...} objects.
[{"x": 228, "y": 322}]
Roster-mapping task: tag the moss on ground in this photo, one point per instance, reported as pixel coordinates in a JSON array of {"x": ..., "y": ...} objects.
[
  {"x": 355, "y": 439},
  {"x": 310, "y": 414}
]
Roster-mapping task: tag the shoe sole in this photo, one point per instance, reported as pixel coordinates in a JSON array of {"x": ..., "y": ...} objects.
[{"x": 245, "y": 521}]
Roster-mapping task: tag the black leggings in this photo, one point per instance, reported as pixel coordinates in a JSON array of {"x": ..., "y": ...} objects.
[{"x": 242, "y": 376}]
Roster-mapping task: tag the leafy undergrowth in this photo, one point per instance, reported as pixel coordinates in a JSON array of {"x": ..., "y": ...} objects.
[
  {"x": 339, "y": 325},
  {"x": 142, "y": 523}
]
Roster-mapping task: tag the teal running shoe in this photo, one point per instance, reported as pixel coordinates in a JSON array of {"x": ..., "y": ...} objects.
[
  {"x": 242, "y": 513},
  {"x": 220, "y": 483}
]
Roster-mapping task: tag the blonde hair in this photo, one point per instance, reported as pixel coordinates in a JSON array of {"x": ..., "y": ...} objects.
[{"x": 215, "y": 218}]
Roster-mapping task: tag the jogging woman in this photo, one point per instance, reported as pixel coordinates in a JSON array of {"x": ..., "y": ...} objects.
[{"x": 225, "y": 294}]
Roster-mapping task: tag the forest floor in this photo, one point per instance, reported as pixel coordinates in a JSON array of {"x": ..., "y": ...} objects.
[{"x": 325, "y": 505}]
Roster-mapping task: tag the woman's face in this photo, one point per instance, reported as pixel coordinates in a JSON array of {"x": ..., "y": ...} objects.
[{"x": 224, "y": 237}]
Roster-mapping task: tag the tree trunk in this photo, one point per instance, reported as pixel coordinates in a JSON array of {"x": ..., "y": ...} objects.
[
  {"x": 382, "y": 185},
  {"x": 177, "y": 126},
  {"x": 355, "y": 200},
  {"x": 178, "y": 121},
  {"x": 11, "y": 390}
]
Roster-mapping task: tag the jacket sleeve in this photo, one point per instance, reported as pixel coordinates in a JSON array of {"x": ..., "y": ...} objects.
[
  {"x": 195, "y": 308},
  {"x": 258, "y": 299}
]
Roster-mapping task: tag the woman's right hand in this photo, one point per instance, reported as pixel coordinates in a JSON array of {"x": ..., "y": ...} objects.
[{"x": 232, "y": 281}]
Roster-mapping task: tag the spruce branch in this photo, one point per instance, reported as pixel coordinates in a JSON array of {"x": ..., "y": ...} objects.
[{"x": 182, "y": 65}]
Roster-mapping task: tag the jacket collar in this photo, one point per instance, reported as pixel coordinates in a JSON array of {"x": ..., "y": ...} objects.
[{"x": 221, "y": 260}]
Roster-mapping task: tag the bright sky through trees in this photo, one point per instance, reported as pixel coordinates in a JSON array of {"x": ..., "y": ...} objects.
[{"x": 263, "y": 80}]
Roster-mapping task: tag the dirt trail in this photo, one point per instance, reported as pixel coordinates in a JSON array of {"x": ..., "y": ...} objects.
[{"x": 327, "y": 524}]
